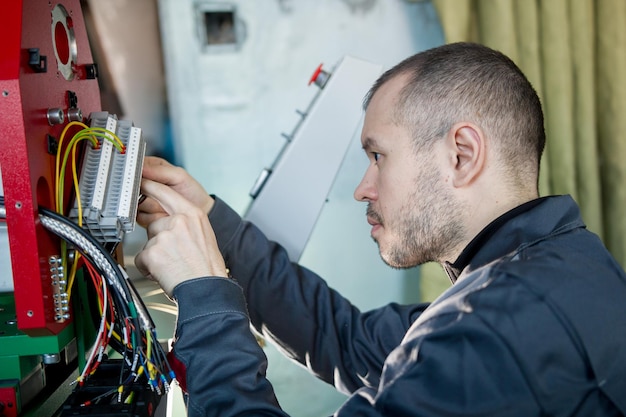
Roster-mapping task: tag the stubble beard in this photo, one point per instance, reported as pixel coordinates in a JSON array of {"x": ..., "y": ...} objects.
[{"x": 425, "y": 228}]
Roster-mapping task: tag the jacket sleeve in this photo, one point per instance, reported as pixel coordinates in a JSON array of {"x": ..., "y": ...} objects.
[
  {"x": 297, "y": 311},
  {"x": 438, "y": 373},
  {"x": 223, "y": 367}
]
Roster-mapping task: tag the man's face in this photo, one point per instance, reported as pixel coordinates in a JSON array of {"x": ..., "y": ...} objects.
[{"x": 411, "y": 210}]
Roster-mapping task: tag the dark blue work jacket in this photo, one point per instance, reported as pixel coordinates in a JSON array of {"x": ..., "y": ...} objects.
[{"x": 534, "y": 325}]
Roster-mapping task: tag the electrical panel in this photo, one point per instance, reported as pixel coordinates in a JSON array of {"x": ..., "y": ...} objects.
[{"x": 69, "y": 188}]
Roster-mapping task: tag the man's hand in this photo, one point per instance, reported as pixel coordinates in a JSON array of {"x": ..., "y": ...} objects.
[
  {"x": 159, "y": 170},
  {"x": 181, "y": 242}
]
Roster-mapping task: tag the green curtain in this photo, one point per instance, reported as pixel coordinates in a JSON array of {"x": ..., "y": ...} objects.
[{"x": 574, "y": 53}]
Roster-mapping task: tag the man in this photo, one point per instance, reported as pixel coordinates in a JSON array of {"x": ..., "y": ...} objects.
[{"x": 534, "y": 325}]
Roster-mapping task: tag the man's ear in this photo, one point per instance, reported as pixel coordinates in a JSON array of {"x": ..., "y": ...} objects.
[{"x": 467, "y": 148}]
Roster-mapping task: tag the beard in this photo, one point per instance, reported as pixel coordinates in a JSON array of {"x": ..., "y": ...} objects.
[{"x": 425, "y": 228}]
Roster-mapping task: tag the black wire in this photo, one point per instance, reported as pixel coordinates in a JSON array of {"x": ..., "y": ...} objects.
[
  {"x": 71, "y": 224},
  {"x": 125, "y": 284},
  {"x": 141, "y": 303},
  {"x": 68, "y": 222},
  {"x": 119, "y": 301}
]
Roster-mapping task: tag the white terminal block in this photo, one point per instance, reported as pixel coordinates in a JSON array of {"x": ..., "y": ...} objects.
[
  {"x": 288, "y": 202},
  {"x": 104, "y": 167},
  {"x": 110, "y": 180},
  {"x": 133, "y": 163}
]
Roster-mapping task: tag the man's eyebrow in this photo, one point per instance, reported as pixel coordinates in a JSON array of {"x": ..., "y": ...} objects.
[{"x": 369, "y": 143}]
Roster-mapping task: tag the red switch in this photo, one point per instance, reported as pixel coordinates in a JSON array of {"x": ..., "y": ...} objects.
[{"x": 319, "y": 77}]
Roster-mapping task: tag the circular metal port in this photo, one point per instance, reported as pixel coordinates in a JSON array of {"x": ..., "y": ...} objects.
[
  {"x": 55, "y": 116},
  {"x": 64, "y": 41}
]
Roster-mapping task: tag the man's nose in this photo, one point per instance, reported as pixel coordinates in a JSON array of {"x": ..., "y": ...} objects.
[{"x": 366, "y": 191}]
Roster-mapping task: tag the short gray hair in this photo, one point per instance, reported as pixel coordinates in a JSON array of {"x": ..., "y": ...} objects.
[{"x": 473, "y": 83}]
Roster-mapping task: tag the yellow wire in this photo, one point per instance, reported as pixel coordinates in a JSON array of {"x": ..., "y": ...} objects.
[
  {"x": 149, "y": 349},
  {"x": 87, "y": 133},
  {"x": 110, "y": 136},
  {"x": 57, "y": 181},
  {"x": 60, "y": 169},
  {"x": 129, "y": 399},
  {"x": 104, "y": 135},
  {"x": 70, "y": 145},
  {"x": 58, "y": 156},
  {"x": 114, "y": 334},
  {"x": 79, "y": 203},
  {"x": 72, "y": 275},
  {"x": 90, "y": 133},
  {"x": 152, "y": 369},
  {"x": 70, "y": 281}
]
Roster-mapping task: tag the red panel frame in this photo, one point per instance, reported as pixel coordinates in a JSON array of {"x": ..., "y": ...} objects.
[
  {"x": 26, "y": 166},
  {"x": 8, "y": 398}
]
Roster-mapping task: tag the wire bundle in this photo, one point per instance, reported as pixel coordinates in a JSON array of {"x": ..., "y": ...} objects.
[
  {"x": 92, "y": 134},
  {"x": 125, "y": 324}
]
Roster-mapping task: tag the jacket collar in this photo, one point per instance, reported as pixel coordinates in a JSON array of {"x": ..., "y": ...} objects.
[{"x": 519, "y": 227}]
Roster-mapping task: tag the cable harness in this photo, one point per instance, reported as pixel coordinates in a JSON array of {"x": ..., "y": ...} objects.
[{"x": 105, "y": 202}]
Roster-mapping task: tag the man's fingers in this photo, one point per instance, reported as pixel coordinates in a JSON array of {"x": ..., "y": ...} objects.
[
  {"x": 149, "y": 205},
  {"x": 160, "y": 170},
  {"x": 146, "y": 219},
  {"x": 169, "y": 200}
]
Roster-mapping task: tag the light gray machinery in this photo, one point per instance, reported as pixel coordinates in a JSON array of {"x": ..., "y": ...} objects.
[{"x": 293, "y": 191}]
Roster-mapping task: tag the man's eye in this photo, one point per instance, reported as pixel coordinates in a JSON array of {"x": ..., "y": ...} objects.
[{"x": 375, "y": 155}]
